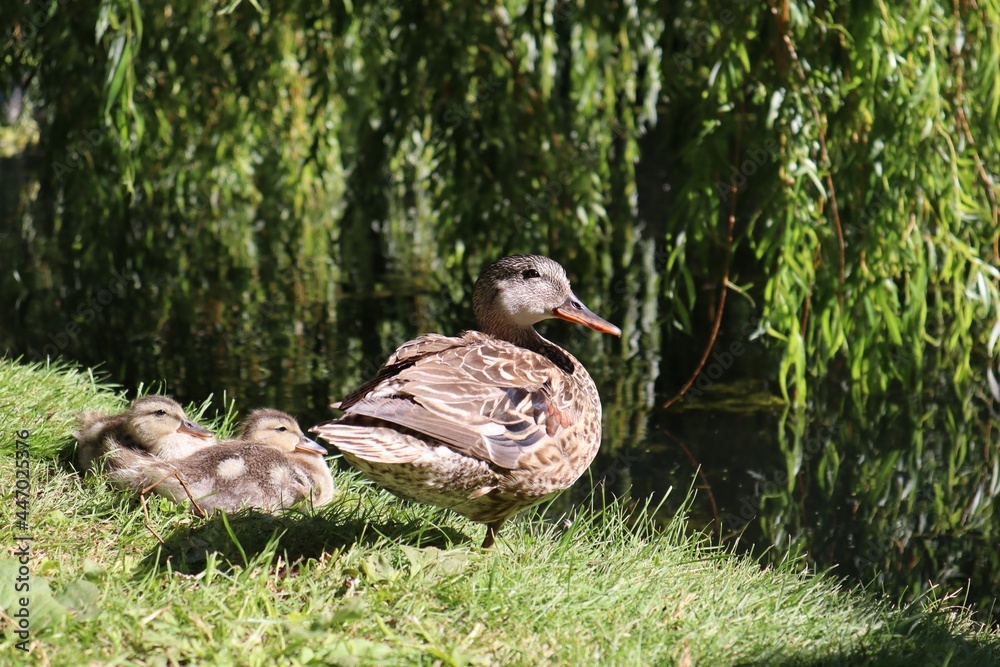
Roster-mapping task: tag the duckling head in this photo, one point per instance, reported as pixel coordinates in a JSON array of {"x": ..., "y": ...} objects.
[
  {"x": 280, "y": 430},
  {"x": 158, "y": 425},
  {"x": 517, "y": 292}
]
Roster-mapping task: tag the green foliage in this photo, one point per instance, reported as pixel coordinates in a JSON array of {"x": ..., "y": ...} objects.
[
  {"x": 44, "y": 398},
  {"x": 885, "y": 511},
  {"x": 255, "y": 154},
  {"x": 252, "y": 154},
  {"x": 863, "y": 147}
]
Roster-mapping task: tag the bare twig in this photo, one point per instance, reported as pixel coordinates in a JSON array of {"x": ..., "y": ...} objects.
[
  {"x": 145, "y": 509},
  {"x": 148, "y": 522},
  {"x": 701, "y": 473},
  {"x": 724, "y": 282}
]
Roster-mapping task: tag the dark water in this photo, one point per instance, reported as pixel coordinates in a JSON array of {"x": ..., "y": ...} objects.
[{"x": 846, "y": 493}]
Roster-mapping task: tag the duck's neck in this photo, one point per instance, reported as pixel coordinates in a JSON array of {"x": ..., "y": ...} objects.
[{"x": 530, "y": 339}]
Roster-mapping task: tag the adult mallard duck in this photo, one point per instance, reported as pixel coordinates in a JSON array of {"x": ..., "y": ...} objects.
[
  {"x": 155, "y": 425},
  {"x": 271, "y": 466},
  {"x": 491, "y": 422}
]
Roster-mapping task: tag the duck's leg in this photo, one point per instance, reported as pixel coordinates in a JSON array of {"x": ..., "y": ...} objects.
[{"x": 491, "y": 533}]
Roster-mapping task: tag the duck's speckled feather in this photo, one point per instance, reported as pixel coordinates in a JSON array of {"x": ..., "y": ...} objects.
[
  {"x": 511, "y": 428},
  {"x": 481, "y": 396},
  {"x": 267, "y": 479}
]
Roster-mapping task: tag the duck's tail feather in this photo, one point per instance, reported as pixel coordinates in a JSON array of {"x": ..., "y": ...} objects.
[{"x": 379, "y": 444}]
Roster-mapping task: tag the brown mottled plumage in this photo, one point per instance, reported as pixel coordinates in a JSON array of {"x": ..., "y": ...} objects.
[
  {"x": 271, "y": 466},
  {"x": 489, "y": 423},
  {"x": 153, "y": 424}
]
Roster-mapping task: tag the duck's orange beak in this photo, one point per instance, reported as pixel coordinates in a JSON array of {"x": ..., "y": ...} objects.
[
  {"x": 189, "y": 427},
  {"x": 308, "y": 446},
  {"x": 573, "y": 310}
]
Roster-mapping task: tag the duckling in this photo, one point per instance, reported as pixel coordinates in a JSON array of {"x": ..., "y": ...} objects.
[
  {"x": 272, "y": 466},
  {"x": 155, "y": 425},
  {"x": 491, "y": 422}
]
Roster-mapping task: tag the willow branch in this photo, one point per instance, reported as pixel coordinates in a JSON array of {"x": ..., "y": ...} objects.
[
  {"x": 963, "y": 126},
  {"x": 824, "y": 158},
  {"x": 723, "y": 283}
]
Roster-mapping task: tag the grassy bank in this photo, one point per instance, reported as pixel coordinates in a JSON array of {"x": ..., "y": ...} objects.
[{"x": 369, "y": 579}]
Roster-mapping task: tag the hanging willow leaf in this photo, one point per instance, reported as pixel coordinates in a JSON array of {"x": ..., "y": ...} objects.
[{"x": 119, "y": 62}]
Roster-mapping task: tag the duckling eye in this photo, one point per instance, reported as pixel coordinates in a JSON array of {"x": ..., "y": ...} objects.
[
  {"x": 282, "y": 429},
  {"x": 160, "y": 413},
  {"x": 528, "y": 274}
]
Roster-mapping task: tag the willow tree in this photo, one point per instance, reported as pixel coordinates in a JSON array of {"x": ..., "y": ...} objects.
[{"x": 840, "y": 162}]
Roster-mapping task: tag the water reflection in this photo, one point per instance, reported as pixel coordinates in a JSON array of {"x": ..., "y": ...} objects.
[{"x": 905, "y": 498}]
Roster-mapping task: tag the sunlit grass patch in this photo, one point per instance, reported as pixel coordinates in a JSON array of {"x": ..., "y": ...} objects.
[{"x": 44, "y": 398}]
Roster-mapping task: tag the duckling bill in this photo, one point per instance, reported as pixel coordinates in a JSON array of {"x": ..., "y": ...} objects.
[{"x": 488, "y": 423}]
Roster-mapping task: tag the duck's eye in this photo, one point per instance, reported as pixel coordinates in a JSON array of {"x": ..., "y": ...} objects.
[
  {"x": 527, "y": 274},
  {"x": 160, "y": 413},
  {"x": 282, "y": 429}
]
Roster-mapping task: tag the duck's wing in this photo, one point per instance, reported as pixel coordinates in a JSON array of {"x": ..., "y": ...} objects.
[
  {"x": 134, "y": 469},
  {"x": 97, "y": 434},
  {"x": 93, "y": 423},
  {"x": 480, "y": 396},
  {"x": 405, "y": 356}
]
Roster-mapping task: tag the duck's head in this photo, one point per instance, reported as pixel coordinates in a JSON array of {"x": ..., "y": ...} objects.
[
  {"x": 516, "y": 292},
  {"x": 159, "y": 425},
  {"x": 278, "y": 429}
]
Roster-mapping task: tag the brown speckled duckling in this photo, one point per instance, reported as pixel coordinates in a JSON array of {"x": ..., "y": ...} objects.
[
  {"x": 155, "y": 425},
  {"x": 271, "y": 466},
  {"x": 491, "y": 422}
]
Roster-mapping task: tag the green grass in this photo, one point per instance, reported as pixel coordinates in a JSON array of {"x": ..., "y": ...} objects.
[{"x": 369, "y": 579}]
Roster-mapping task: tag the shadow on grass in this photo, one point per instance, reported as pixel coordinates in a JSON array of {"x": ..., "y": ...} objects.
[
  {"x": 295, "y": 535},
  {"x": 238, "y": 539},
  {"x": 928, "y": 638},
  {"x": 954, "y": 651}
]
